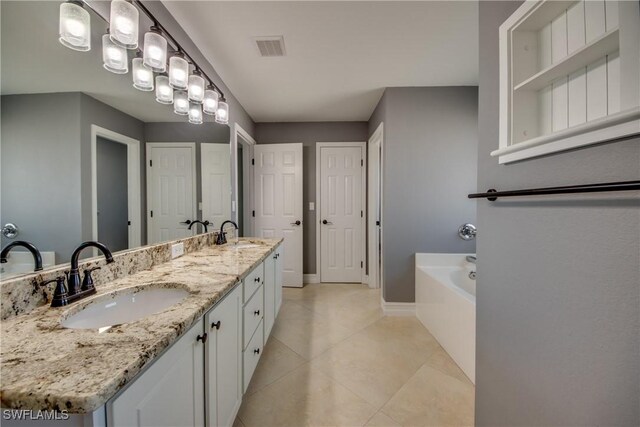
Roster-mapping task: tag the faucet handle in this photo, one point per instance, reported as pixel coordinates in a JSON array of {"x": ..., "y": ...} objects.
[
  {"x": 60, "y": 293},
  {"x": 87, "y": 282}
]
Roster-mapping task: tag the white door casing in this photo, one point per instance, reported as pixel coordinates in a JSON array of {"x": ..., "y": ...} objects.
[
  {"x": 216, "y": 183},
  {"x": 278, "y": 203},
  {"x": 341, "y": 206},
  {"x": 374, "y": 209},
  {"x": 171, "y": 190},
  {"x": 243, "y": 138}
]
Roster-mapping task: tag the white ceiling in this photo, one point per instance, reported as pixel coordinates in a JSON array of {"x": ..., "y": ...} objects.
[{"x": 340, "y": 55}]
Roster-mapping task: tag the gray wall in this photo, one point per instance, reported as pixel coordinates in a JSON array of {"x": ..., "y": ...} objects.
[
  {"x": 208, "y": 132},
  {"x": 558, "y": 305},
  {"x": 41, "y": 170},
  {"x": 430, "y": 146},
  {"x": 309, "y": 133},
  {"x": 94, "y": 112}
]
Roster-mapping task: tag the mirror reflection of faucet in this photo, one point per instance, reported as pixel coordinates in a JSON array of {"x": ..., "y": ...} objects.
[{"x": 204, "y": 224}]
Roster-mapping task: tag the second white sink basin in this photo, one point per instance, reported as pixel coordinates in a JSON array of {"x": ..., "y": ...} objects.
[{"x": 124, "y": 307}]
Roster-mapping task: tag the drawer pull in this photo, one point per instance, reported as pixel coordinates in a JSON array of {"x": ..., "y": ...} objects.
[
  {"x": 256, "y": 351},
  {"x": 202, "y": 338},
  {"x": 257, "y": 280},
  {"x": 257, "y": 312},
  {"x": 216, "y": 325}
]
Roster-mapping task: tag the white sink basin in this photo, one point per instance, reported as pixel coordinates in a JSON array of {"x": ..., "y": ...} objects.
[
  {"x": 245, "y": 245},
  {"x": 124, "y": 307}
]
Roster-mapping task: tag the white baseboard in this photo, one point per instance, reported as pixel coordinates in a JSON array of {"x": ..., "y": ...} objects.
[
  {"x": 398, "y": 308},
  {"x": 310, "y": 278}
]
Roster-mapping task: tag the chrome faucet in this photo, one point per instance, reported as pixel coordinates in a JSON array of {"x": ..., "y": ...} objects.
[
  {"x": 37, "y": 258},
  {"x": 471, "y": 258},
  {"x": 204, "y": 224},
  {"x": 73, "y": 277},
  {"x": 222, "y": 239}
]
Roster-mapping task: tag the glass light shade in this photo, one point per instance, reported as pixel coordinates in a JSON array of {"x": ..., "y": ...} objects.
[
  {"x": 210, "y": 103},
  {"x": 142, "y": 76},
  {"x": 164, "y": 92},
  {"x": 114, "y": 57},
  {"x": 196, "y": 88},
  {"x": 180, "y": 103},
  {"x": 75, "y": 27},
  {"x": 155, "y": 51},
  {"x": 123, "y": 24},
  {"x": 178, "y": 72},
  {"x": 222, "y": 115},
  {"x": 195, "y": 113}
]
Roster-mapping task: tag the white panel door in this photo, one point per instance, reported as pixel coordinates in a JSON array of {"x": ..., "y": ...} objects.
[
  {"x": 170, "y": 190},
  {"x": 341, "y": 214},
  {"x": 216, "y": 183},
  {"x": 278, "y": 203}
]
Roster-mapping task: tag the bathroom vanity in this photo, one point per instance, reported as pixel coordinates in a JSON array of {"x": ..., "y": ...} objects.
[{"x": 188, "y": 364}]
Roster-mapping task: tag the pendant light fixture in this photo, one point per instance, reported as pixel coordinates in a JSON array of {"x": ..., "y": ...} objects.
[
  {"x": 222, "y": 114},
  {"x": 178, "y": 71},
  {"x": 195, "y": 113},
  {"x": 210, "y": 102},
  {"x": 142, "y": 76},
  {"x": 123, "y": 24},
  {"x": 180, "y": 103},
  {"x": 114, "y": 57},
  {"x": 155, "y": 50},
  {"x": 164, "y": 92},
  {"x": 75, "y": 26},
  {"x": 196, "y": 87}
]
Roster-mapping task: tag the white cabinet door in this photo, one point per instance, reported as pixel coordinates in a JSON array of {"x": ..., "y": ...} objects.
[
  {"x": 278, "y": 278},
  {"x": 170, "y": 392},
  {"x": 269, "y": 294},
  {"x": 224, "y": 360},
  {"x": 278, "y": 202}
]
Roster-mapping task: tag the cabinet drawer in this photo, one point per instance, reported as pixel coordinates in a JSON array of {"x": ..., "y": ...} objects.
[
  {"x": 253, "y": 313},
  {"x": 253, "y": 282},
  {"x": 251, "y": 356}
]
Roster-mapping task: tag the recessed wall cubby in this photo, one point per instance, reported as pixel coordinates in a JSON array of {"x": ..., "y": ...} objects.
[{"x": 569, "y": 76}]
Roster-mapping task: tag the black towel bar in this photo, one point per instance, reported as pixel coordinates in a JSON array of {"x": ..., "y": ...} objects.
[{"x": 492, "y": 194}]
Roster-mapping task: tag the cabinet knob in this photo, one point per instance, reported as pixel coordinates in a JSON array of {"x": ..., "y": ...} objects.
[
  {"x": 216, "y": 325},
  {"x": 256, "y": 351},
  {"x": 257, "y": 280},
  {"x": 202, "y": 338},
  {"x": 257, "y": 312}
]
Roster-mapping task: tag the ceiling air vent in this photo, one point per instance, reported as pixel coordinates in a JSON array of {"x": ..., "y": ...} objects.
[{"x": 270, "y": 46}]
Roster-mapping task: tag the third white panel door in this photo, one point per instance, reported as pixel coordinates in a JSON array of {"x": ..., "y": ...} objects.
[
  {"x": 216, "y": 183},
  {"x": 278, "y": 203},
  {"x": 170, "y": 175},
  {"x": 341, "y": 214}
]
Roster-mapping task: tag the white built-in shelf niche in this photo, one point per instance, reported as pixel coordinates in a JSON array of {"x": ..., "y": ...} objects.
[{"x": 569, "y": 76}]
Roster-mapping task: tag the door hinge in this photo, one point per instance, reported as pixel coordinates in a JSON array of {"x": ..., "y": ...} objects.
[
  {"x": 128, "y": 222},
  {"x": 361, "y": 264},
  {"x": 150, "y": 163},
  {"x": 361, "y": 214},
  {"x": 361, "y": 162},
  {"x": 253, "y": 161},
  {"x": 253, "y": 213},
  {"x": 151, "y": 214}
]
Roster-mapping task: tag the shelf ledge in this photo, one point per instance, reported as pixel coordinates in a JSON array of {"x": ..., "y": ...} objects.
[{"x": 607, "y": 43}]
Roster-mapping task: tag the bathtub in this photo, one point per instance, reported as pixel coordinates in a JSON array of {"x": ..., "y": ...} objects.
[{"x": 446, "y": 305}]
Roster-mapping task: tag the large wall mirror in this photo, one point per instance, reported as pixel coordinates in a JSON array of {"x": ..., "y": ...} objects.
[{"x": 85, "y": 156}]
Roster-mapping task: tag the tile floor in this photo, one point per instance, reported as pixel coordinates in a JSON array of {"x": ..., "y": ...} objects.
[{"x": 333, "y": 359}]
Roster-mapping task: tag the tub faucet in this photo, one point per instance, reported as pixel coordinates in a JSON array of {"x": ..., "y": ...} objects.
[
  {"x": 37, "y": 258},
  {"x": 222, "y": 239},
  {"x": 471, "y": 258},
  {"x": 73, "y": 278},
  {"x": 204, "y": 224}
]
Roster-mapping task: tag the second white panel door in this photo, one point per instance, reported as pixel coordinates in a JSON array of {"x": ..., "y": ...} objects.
[
  {"x": 278, "y": 203},
  {"x": 170, "y": 190},
  {"x": 216, "y": 183},
  {"x": 341, "y": 214}
]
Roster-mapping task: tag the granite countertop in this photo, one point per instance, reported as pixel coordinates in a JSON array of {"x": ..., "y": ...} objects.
[{"x": 47, "y": 367}]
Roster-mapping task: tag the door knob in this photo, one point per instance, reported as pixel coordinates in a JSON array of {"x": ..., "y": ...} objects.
[
  {"x": 298, "y": 222},
  {"x": 325, "y": 222},
  {"x": 187, "y": 222}
]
